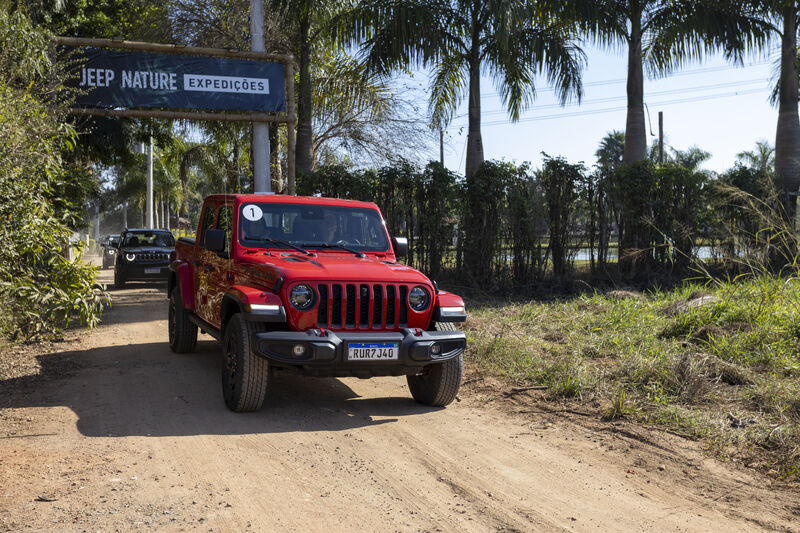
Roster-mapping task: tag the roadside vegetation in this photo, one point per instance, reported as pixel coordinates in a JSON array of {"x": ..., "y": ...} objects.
[
  {"x": 40, "y": 289},
  {"x": 719, "y": 362}
]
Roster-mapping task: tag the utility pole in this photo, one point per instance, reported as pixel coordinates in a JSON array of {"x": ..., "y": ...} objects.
[
  {"x": 660, "y": 137},
  {"x": 97, "y": 221},
  {"x": 150, "y": 184},
  {"x": 261, "y": 178},
  {"x": 125, "y": 201}
]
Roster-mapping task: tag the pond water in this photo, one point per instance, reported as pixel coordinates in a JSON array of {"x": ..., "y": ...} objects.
[{"x": 703, "y": 252}]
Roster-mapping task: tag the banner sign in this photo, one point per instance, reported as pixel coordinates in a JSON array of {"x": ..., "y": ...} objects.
[{"x": 136, "y": 79}]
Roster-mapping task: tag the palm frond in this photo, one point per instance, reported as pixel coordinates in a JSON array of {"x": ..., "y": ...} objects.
[
  {"x": 344, "y": 84},
  {"x": 530, "y": 51},
  {"x": 447, "y": 88},
  {"x": 682, "y": 30}
]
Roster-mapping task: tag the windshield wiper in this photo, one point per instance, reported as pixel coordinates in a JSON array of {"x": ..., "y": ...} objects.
[
  {"x": 284, "y": 243},
  {"x": 334, "y": 245}
]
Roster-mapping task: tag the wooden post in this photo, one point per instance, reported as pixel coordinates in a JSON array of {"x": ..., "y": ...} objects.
[
  {"x": 290, "y": 135},
  {"x": 171, "y": 49}
]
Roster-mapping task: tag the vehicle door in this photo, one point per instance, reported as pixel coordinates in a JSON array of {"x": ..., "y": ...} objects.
[
  {"x": 201, "y": 264},
  {"x": 220, "y": 263}
]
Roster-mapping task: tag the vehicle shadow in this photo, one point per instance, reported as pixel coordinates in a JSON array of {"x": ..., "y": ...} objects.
[
  {"x": 146, "y": 302},
  {"x": 146, "y": 390}
]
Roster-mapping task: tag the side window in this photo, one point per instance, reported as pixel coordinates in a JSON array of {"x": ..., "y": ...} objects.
[
  {"x": 225, "y": 223},
  {"x": 208, "y": 222}
]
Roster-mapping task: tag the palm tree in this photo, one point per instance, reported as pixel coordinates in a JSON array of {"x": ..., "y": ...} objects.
[
  {"x": 460, "y": 39},
  {"x": 304, "y": 23},
  {"x": 762, "y": 158},
  {"x": 662, "y": 35},
  {"x": 787, "y": 135}
]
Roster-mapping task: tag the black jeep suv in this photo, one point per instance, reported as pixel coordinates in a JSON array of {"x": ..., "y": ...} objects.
[
  {"x": 110, "y": 250},
  {"x": 143, "y": 255}
]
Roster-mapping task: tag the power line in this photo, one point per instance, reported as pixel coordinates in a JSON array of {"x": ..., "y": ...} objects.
[
  {"x": 687, "y": 72},
  {"x": 623, "y": 97},
  {"x": 622, "y": 108}
]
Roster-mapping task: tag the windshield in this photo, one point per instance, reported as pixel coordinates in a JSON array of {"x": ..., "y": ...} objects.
[
  {"x": 159, "y": 239},
  {"x": 311, "y": 225}
]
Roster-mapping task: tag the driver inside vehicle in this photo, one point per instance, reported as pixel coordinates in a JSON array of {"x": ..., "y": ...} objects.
[
  {"x": 329, "y": 231},
  {"x": 254, "y": 230}
]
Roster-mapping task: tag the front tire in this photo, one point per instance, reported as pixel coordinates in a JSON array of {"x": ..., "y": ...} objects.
[
  {"x": 438, "y": 383},
  {"x": 119, "y": 280},
  {"x": 245, "y": 376},
  {"x": 182, "y": 333}
]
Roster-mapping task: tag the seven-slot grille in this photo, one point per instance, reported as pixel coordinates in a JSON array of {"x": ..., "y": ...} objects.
[
  {"x": 151, "y": 256},
  {"x": 362, "y": 305}
]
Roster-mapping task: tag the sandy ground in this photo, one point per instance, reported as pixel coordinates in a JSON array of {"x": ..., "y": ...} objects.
[{"x": 134, "y": 437}]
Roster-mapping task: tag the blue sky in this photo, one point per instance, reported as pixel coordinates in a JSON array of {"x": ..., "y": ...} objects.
[{"x": 719, "y": 107}]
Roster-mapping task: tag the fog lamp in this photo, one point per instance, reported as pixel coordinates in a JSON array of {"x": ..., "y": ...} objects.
[
  {"x": 299, "y": 350},
  {"x": 436, "y": 348}
]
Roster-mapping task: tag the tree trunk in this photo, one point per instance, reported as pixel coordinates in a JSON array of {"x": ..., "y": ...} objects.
[
  {"x": 787, "y": 138},
  {"x": 635, "y": 134},
  {"x": 304, "y": 157},
  {"x": 275, "y": 157},
  {"x": 474, "y": 139}
]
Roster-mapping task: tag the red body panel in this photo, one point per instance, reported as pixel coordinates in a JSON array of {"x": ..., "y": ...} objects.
[{"x": 448, "y": 299}]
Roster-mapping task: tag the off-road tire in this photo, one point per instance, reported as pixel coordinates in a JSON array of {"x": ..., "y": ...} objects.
[
  {"x": 119, "y": 280},
  {"x": 245, "y": 376},
  {"x": 438, "y": 383},
  {"x": 182, "y": 333}
]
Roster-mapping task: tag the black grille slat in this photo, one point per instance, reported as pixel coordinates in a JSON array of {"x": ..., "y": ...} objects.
[
  {"x": 391, "y": 299},
  {"x": 350, "y": 313},
  {"x": 336, "y": 319},
  {"x": 151, "y": 256},
  {"x": 322, "y": 308},
  {"x": 403, "y": 306},
  {"x": 377, "y": 306},
  {"x": 363, "y": 306}
]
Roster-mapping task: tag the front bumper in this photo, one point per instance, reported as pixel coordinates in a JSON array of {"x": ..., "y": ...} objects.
[
  {"x": 326, "y": 351},
  {"x": 143, "y": 271}
]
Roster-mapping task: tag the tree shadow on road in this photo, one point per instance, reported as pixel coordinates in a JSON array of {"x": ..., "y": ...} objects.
[{"x": 146, "y": 390}]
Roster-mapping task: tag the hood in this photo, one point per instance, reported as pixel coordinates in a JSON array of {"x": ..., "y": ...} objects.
[
  {"x": 335, "y": 266},
  {"x": 148, "y": 249}
]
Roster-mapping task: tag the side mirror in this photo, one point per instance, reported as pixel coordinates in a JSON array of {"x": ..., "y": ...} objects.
[
  {"x": 400, "y": 246},
  {"x": 214, "y": 240}
]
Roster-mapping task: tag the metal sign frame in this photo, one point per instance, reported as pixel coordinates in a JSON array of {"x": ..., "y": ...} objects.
[{"x": 288, "y": 117}]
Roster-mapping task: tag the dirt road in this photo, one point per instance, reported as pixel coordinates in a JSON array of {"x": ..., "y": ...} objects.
[{"x": 135, "y": 437}]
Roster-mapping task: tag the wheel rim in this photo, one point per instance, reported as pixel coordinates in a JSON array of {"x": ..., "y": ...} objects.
[
  {"x": 230, "y": 370},
  {"x": 171, "y": 319}
]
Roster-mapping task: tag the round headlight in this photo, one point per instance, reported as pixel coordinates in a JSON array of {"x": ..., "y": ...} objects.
[
  {"x": 130, "y": 257},
  {"x": 418, "y": 298},
  {"x": 110, "y": 251},
  {"x": 302, "y": 297}
]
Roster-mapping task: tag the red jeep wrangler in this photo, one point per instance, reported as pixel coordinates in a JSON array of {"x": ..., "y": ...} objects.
[{"x": 311, "y": 285}]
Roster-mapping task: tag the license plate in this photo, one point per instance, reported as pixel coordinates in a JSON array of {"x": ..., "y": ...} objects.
[
  {"x": 372, "y": 351},
  {"x": 152, "y": 271}
]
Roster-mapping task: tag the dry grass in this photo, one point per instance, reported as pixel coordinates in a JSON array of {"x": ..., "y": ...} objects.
[{"x": 726, "y": 370}]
